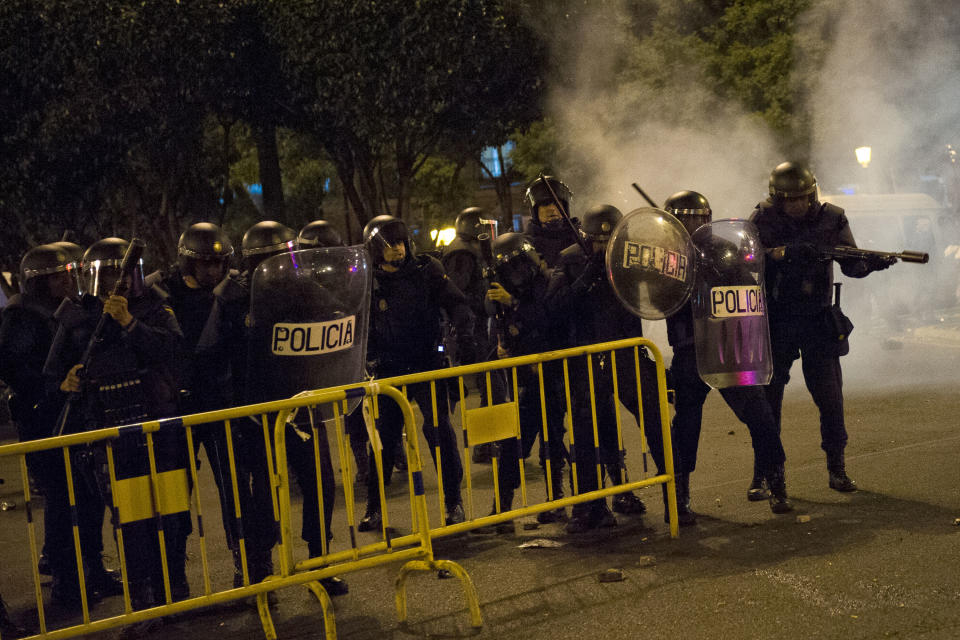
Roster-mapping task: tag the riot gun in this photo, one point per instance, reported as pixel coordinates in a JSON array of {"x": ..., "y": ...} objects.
[
  {"x": 917, "y": 257},
  {"x": 130, "y": 260}
]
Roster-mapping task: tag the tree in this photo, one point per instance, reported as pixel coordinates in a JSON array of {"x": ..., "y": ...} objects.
[{"x": 467, "y": 76}]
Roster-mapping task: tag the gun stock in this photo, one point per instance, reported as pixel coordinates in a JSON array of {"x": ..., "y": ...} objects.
[{"x": 130, "y": 260}]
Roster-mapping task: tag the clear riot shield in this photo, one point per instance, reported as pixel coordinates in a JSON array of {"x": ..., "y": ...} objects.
[
  {"x": 729, "y": 309},
  {"x": 309, "y": 313},
  {"x": 650, "y": 263}
]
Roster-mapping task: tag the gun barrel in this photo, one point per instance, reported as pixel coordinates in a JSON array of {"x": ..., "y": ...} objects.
[
  {"x": 917, "y": 257},
  {"x": 914, "y": 256}
]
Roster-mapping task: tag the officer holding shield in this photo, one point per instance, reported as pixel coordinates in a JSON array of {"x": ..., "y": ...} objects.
[
  {"x": 583, "y": 297},
  {"x": 749, "y": 403},
  {"x": 229, "y": 336}
]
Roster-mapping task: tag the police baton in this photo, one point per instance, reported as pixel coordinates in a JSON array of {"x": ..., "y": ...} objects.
[
  {"x": 130, "y": 260},
  {"x": 644, "y": 194}
]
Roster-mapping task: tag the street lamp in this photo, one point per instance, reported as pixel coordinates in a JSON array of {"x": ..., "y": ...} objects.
[{"x": 863, "y": 156}]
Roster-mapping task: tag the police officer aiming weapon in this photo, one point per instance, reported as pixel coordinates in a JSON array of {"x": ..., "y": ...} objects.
[{"x": 130, "y": 260}]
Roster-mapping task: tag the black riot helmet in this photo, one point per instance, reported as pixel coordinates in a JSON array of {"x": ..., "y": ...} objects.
[
  {"x": 792, "y": 180},
  {"x": 598, "y": 222},
  {"x": 265, "y": 239},
  {"x": 51, "y": 271},
  {"x": 101, "y": 269},
  {"x": 319, "y": 234},
  {"x": 203, "y": 242},
  {"x": 690, "y": 208},
  {"x": 538, "y": 194},
  {"x": 515, "y": 262},
  {"x": 75, "y": 251},
  {"x": 468, "y": 224},
  {"x": 386, "y": 231}
]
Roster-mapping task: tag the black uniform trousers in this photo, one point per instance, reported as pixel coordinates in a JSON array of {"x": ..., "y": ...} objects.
[
  {"x": 531, "y": 426},
  {"x": 605, "y": 449},
  {"x": 749, "y": 404},
  {"x": 257, "y": 525},
  {"x": 303, "y": 462},
  {"x": 803, "y": 337},
  {"x": 390, "y": 428},
  {"x": 50, "y": 472}
]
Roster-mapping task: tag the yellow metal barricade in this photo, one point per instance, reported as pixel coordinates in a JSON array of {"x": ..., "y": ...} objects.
[
  {"x": 161, "y": 493},
  {"x": 498, "y": 421}
]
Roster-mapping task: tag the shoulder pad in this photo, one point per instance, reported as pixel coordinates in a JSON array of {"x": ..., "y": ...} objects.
[
  {"x": 71, "y": 314},
  {"x": 155, "y": 279}
]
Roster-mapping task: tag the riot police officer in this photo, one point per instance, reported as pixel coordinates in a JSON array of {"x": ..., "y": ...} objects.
[
  {"x": 409, "y": 293},
  {"x": 749, "y": 403},
  {"x": 203, "y": 255},
  {"x": 466, "y": 261},
  {"x": 793, "y": 224},
  {"x": 548, "y": 227},
  {"x": 48, "y": 275},
  {"x": 319, "y": 234},
  {"x": 128, "y": 378},
  {"x": 581, "y": 294},
  {"x": 524, "y": 325},
  {"x": 227, "y": 337}
]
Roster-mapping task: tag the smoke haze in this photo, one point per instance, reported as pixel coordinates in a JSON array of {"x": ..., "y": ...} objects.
[{"x": 882, "y": 74}]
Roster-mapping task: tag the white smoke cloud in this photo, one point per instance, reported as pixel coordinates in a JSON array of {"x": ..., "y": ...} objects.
[
  {"x": 678, "y": 136},
  {"x": 885, "y": 75}
]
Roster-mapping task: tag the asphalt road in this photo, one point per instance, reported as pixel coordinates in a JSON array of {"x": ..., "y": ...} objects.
[{"x": 882, "y": 562}]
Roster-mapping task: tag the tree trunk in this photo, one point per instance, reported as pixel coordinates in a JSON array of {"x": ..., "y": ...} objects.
[{"x": 268, "y": 159}]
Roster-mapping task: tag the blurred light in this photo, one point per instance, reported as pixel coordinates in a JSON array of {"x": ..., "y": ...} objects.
[
  {"x": 863, "y": 156},
  {"x": 443, "y": 237}
]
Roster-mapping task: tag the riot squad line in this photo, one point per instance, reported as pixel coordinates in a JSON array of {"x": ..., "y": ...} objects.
[{"x": 92, "y": 342}]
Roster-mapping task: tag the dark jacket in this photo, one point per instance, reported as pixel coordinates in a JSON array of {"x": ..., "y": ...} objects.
[
  {"x": 582, "y": 297},
  {"x": 131, "y": 374},
  {"x": 549, "y": 242},
  {"x": 26, "y": 334},
  {"x": 405, "y": 316},
  {"x": 803, "y": 288}
]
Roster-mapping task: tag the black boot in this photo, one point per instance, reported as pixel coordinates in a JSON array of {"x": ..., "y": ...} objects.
[
  {"x": 372, "y": 520},
  {"x": 685, "y": 515},
  {"x": 777, "y": 480},
  {"x": 556, "y": 485},
  {"x": 506, "y": 503},
  {"x": 839, "y": 480},
  {"x": 591, "y": 515},
  {"x": 757, "y": 490},
  {"x": 626, "y": 502},
  {"x": 101, "y": 582}
]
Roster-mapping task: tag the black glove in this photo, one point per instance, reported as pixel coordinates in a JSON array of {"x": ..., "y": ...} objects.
[
  {"x": 801, "y": 252},
  {"x": 592, "y": 274},
  {"x": 879, "y": 263}
]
